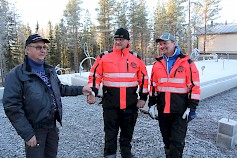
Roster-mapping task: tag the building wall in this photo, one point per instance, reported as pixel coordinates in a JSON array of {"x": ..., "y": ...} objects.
[{"x": 219, "y": 43}]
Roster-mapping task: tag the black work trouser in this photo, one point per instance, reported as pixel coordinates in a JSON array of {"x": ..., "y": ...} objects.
[
  {"x": 47, "y": 144},
  {"x": 173, "y": 129},
  {"x": 113, "y": 120}
]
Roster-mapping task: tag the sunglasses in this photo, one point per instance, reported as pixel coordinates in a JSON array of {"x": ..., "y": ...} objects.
[{"x": 39, "y": 47}]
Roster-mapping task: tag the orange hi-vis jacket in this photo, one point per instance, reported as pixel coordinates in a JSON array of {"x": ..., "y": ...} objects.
[
  {"x": 175, "y": 91},
  {"x": 121, "y": 72}
]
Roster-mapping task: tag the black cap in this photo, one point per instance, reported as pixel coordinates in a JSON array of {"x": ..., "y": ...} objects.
[
  {"x": 122, "y": 33},
  {"x": 165, "y": 37},
  {"x": 35, "y": 38}
]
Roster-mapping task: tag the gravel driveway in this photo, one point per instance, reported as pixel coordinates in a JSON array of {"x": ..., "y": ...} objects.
[{"x": 82, "y": 133}]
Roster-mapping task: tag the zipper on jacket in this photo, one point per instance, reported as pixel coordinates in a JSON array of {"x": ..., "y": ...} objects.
[
  {"x": 167, "y": 66},
  {"x": 127, "y": 66}
]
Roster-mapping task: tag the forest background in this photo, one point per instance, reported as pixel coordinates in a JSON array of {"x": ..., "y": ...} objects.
[{"x": 77, "y": 36}]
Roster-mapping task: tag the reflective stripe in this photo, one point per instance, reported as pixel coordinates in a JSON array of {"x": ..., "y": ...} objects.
[
  {"x": 196, "y": 83},
  {"x": 195, "y": 96},
  {"x": 151, "y": 93},
  {"x": 145, "y": 90},
  {"x": 119, "y": 75},
  {"x": 172, "y": 80},
  {"x": 153, "y": 84},
  {"x": 135, "y": 54},
  {"x": 106, "y": 52},
  {"x": 146, "y": 77},
  {"x": 120, "y": 84},
  {"x": 96, "y": 75},
  {"x": 173, "y": 90}
]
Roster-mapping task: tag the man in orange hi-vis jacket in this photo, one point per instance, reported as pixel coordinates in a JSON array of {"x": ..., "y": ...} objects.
[
  {"x": 121, "y": 72},
  {"x": 175, "y": 92}
]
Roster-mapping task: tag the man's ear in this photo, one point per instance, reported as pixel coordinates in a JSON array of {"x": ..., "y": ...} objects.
[{"x": 26, "y": 49}]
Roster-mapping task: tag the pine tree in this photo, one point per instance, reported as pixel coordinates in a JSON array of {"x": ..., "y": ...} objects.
[{"x": 72, "y": 17}]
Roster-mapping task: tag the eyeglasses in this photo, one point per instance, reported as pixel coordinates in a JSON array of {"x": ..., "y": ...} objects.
[
  {"x": 119, "y": 39},
  {"x": 39, "y": 47}
]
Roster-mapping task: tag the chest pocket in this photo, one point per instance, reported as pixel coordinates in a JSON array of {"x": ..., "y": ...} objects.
[
  {"x": 180, "y": 72},
  {"x": 32, "y": 88},
  {"x": 110, "y": 66}
]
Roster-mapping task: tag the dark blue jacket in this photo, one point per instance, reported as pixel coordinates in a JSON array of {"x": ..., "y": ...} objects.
[{"x": 28, "y": 102}]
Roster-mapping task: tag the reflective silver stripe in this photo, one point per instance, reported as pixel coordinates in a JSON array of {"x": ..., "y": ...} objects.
[
  {"x": 106, "y": 52},
  {"x": 172, "y": 80},
  {"x": 119, "y": 75},
  {"x": 155, "y": 94},
  {"x": 163, "y": 80},
  {"x": 153, "y": 84},
  {"x": 173, "y": 90},
  {"x": 96, "y": 75},
  {"x": 195, "y": 96},
  {"x": 146, "y": 77},
  {"x": 145, "y": 90},
  {"x": 120, "y": 84},
  {"x": 196, "y": 83},
  {"x": 135, "y": 54}
]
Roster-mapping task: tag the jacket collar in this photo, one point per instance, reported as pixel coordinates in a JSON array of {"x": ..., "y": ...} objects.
[
  {"x": 123, "y": 52},
  {"x": 27, "y": 69}
]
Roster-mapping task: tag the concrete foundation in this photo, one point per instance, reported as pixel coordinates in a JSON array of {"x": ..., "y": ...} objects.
[{"x": 227, "y": 133}]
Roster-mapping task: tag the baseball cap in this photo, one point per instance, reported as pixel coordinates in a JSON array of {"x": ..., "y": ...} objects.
[
  {"x": 122, "y": 33},
  {"x": 35, "y": 38},
  {"x": 165, "y": 37}
]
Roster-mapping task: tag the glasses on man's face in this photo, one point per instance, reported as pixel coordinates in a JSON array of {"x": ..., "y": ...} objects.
[
  {"x": 119, "y": 39},
  {"x": 39, "y": 47}
]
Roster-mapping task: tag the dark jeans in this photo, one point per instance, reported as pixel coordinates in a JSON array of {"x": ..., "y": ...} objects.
[
  {"x": 47, "y": 140},
  {"x": 173, "y": 129},
  {"x": 113, "y": 120}
]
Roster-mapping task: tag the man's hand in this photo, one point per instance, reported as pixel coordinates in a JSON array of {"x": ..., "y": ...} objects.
[
  {"x": 91, "y": 98},
  {"x": 141, "y": 103},
  {"x": 153, "y": 112},
  {"x": 32, "y": 142},
  {"x": 86, "y": 90},
  {"x": 189, "y": 114}
]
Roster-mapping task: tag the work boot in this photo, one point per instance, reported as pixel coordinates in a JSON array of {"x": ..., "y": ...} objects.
[{"x": 111, "y": 156}]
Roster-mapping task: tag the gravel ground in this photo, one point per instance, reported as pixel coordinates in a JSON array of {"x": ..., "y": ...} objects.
[{"x": 82, "y": 133}]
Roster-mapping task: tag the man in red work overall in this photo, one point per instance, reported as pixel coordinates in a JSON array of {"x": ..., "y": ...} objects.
[
  {"x": 121, "y": 73},
  {"x": 175, "y": 92}
]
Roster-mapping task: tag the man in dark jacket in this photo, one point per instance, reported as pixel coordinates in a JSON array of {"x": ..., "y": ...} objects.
[{"x": 32, "y": 100}]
